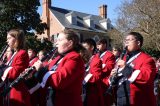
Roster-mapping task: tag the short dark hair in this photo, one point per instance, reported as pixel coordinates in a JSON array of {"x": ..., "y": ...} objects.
[
  {"x": 137, "y": 36},
  {"x": 44, "y": 52},
  {"x": 102, "y": 41},
  {"x": 83, "y": 52},
  {"x": 90, "y": 42},
  {"x": 117, "y": 47},
  {"x": 32, "y": 49}
]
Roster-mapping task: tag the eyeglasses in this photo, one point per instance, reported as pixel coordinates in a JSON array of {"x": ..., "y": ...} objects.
[
  {"x": 114, "y": 50},
  {"x": 129, "y": 40},
  {"x": 60, "y": 39}
]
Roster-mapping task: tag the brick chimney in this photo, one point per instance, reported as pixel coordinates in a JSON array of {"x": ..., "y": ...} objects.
[
  {"x": 46, "y": 4},
  {"x": 103, "y": 11}
]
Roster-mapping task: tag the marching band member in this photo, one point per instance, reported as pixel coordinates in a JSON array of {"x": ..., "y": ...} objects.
[
  {"x": 94, "y": 96},
  {"x": 39, "y": 94},
  {"x": 108, "y": 62},
  {"x": 65, "y": 74},
  {"x": 17, "y": 64},
  {"x": 41, "y": 55},
  {"x": 136, "y": 74},
  {"x": 116, "y": 51},
  {"x": 6, "y": 57},
  {"x": 32, "y": 56}
]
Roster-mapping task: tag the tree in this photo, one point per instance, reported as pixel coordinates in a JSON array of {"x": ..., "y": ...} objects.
[
  {"x": 115, "y": 37},
  {"x": 38, "y": 45},
  {"x": 20, "y": 14},
  {"x": 142, "y": 16}
]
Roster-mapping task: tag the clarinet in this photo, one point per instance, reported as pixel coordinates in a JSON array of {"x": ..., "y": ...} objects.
[
  {"x": 1, "y": 56},
  {"x": 114, "y": 79},
  {"x": 24, "y": 74},
  {"x": 3, "y": 52}
]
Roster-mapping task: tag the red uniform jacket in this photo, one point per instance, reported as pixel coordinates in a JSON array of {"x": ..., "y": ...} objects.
[
  {"x": 141, "y": 89},
  {"x": 95, "y": 69},
  {"x": 18, "y": 94},
  {"x": 94, "y": 95},
  {"x": 36, "y": 97},
  {"x": 67, "y": 80},
  {"x": 45, "y": 63},
  {"x": 32, "y": 61},
  {"x": 108, "y": 62}
]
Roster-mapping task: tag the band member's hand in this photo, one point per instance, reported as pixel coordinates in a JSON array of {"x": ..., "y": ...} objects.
[
  {"x": 113, "y": 72},
  {"x": 121, "y": 63},
  {"x": 49, "y": 60},
  {"x": 30, "y": 75},
  {"x": 38, "y": 65}
]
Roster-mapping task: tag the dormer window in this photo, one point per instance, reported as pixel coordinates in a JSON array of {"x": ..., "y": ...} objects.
[
  {"x": 89, "y": 21},
  {"x": 71, "y": 17},
  {"x": 104, "y": 23}
]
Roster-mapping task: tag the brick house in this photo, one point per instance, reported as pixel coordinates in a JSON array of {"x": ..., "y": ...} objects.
[{"x": 86, "y": 25}]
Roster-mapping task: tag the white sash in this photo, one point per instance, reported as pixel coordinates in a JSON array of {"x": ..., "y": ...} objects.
[
  {"x": 134, "y": 74},
  {"x": 11, "y": 59},
  {"x": 101, "y": 56},
  {"x": 46, "y": 76}
]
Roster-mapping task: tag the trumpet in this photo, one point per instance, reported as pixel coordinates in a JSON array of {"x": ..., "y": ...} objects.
[
  {"x": 24, "y": 74},
  {"x": 114, "y": 79}
]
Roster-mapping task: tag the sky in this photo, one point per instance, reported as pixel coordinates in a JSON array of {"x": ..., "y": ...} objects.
[{"x": 88, "y": 6}]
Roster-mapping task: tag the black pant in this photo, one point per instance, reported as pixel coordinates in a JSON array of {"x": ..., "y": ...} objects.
[{"x": 122, "y": 101}]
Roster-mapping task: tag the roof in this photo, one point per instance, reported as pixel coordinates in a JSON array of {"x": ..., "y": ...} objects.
[{"x": 61, "y": 14}]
